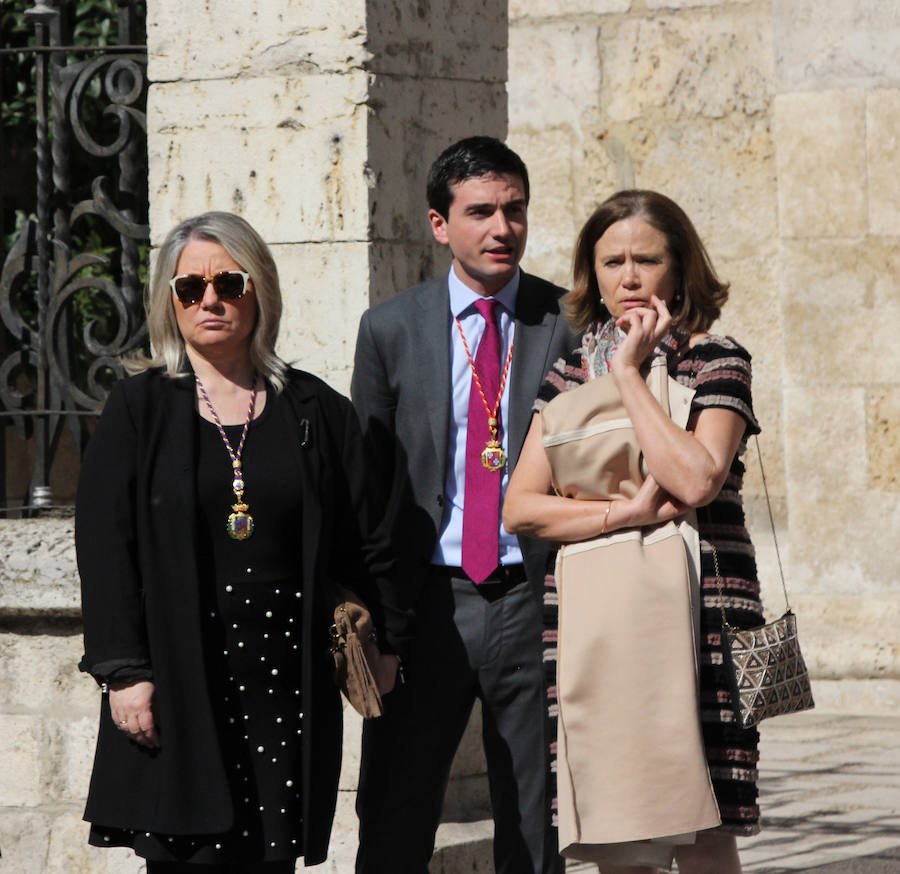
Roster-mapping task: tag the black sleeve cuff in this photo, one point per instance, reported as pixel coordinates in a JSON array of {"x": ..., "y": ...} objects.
[{"x": 123, "y": 671}]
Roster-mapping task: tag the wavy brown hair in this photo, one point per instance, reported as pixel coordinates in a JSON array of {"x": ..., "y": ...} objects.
[{"x": 701, "y": 293}]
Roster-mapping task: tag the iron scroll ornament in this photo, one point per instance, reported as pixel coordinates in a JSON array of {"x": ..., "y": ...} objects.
[{"x": 61, "y": 361}]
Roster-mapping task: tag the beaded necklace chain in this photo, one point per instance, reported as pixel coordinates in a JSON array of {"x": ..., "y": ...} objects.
[
  {"x": 493, "y": 457},
  {"x": 240, "y": 523}
]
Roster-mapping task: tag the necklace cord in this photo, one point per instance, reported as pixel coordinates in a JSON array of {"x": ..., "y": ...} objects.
[
  {"x": 240, "y": 524},
  {"x": 493, "y": 415}
]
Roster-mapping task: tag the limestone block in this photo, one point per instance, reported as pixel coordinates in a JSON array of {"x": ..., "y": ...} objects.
[
  {"x": 840, "y": 528},
  {"x": 883, "y": 152},
  {"x": 71, "y": 755},
  {"x": 460, "y": 40},
  {"x": 752, "y": 316},
  {"x": 820, "y": 153},
  {"x": 69, "y": 851},
  {"x": 839, "y": 295},
  {"x": 37, "y": 566},
  {"x": 553, "y": 266},
  {"x": 526, "y": 9},
  {"x": 325, "y": 288},
  {"x": 287, "y": 154},
  {"x": 686, "y": 4},
  {"x": 862, "y": 697},
  {"x": 350, "y": 757},
  {"x": 552, "y": 157},
  {"x": 721, "y": 173},
  {"x": 410, "y": 123},
  {"x": 223, "y": 40},
  {"x": 752, "y": 313},
  {"x": 554, "y": 73},
  {"x": 38, "y": 673},
  {"x": 463, "y": 847},
  {"x": 825, "y": 437},
  {"x": 395, "y": 266},
  {"x": 833, "y": 648},
  {"x": 834, "y": 44},
  {"x": 883, "y": 437},
  {"x": 760, "y": 530},
  {"x": 23, "y": 740},
  {"x": 25, "y": 836},
  {"x": 706, "y": 63}
]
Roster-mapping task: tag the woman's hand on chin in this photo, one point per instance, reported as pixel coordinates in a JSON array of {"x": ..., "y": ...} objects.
[{"x": 644, "y": 328}]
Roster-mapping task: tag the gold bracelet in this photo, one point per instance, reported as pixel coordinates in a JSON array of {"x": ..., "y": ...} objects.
[{"x": 606, "y": 518}]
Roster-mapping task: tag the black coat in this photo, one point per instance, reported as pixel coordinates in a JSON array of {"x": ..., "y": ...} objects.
[{"x": 136, "y": 531}]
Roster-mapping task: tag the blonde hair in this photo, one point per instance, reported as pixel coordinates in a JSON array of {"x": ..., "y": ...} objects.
[{"x": 250, "y": 251}]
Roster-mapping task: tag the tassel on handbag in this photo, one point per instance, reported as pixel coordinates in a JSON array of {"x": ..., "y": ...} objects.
[
  {"x": 765, "y": 667},
  {"x": 354, "y": 648}
]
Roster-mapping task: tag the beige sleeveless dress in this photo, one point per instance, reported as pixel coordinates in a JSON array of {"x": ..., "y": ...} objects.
[{"x": 632, "y": 776}]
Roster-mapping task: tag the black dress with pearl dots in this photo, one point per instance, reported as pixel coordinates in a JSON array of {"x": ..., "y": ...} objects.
[{"x": 251, "y": 607}]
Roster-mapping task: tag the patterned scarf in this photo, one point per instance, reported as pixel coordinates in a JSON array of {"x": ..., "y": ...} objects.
[{"x": 600, "y": 341}]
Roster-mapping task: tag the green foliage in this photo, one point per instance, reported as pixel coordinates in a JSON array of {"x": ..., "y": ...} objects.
[{"x": 83, "y": 22}]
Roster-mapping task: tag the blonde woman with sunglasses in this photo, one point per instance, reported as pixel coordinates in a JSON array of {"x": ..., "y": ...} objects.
[{"x": 221, "y": 499}]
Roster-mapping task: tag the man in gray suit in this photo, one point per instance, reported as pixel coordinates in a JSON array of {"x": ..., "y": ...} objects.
[{"x": 444, "y": 381}]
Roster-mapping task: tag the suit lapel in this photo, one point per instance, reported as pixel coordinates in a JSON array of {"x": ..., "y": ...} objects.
[
  {"x": 535, "y": 318},
  {"x": 434, "y": 378}
]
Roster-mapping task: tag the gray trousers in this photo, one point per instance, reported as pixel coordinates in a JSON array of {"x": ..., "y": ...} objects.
[{"x": 472, "y": 641}]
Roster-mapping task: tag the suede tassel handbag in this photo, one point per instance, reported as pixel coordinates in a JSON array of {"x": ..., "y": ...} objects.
[
  {"x": 354, "y": 647},
  {"x": 765, "y": 667}
]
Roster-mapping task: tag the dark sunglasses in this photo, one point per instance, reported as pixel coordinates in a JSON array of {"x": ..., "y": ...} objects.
[{"x": 229, "y": 285}]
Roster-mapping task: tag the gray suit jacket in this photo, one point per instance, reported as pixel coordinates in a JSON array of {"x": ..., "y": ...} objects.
[{"x": 401, "y": 391}]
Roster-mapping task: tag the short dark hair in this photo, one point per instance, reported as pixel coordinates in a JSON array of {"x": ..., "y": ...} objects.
[
  {"x": 702, "y": 293},
  {"x": 470, "y": 158}
]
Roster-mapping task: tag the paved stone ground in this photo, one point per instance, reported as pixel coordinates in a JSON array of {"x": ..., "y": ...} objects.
[{"x": 830, "y": 797}]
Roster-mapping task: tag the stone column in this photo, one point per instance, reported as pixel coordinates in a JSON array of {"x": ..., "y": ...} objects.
[{"x": 317, "y": 122}]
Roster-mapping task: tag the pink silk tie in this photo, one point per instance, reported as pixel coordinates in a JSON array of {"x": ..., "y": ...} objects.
[{"x": 481, "y": 506}]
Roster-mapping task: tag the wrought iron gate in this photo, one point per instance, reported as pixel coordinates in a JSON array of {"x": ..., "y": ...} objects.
[{"x": 67, "y": 316}]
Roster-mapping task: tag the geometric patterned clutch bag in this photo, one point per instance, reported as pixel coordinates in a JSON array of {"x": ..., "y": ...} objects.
[{"x": 766, "y": 670}]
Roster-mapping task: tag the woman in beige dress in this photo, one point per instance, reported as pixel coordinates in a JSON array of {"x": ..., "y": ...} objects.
[{"x": 645, "y": 289}]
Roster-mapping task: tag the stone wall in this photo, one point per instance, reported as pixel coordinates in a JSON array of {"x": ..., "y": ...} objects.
[
  {"x": 775, "y": 125},
  {"x": 48, "y": 710}
]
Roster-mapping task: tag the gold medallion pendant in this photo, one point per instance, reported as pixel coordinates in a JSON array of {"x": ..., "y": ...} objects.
[
  {"x": 240, "y": 523},
  {"x": 492, "y": 456}
]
